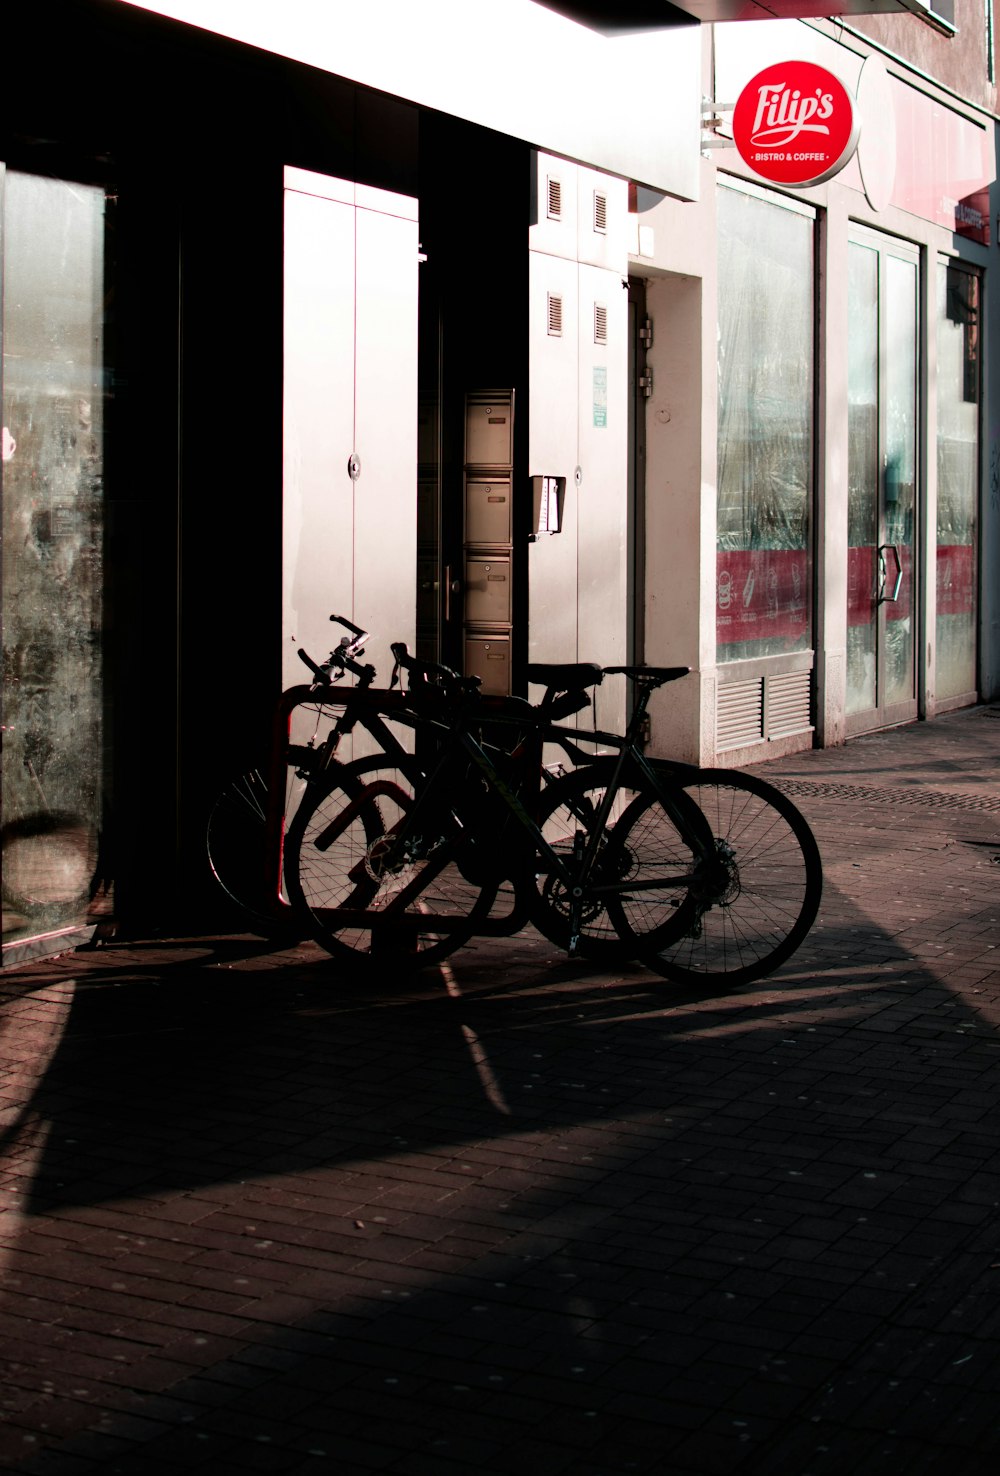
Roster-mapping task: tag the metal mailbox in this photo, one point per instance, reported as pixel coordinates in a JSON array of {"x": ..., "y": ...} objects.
[
  {"x": 488, "y": 425},
  {"x": 487, "y": 512},
  {"x": 487, "y": 590},
  {"x": 488, "y": 657}
]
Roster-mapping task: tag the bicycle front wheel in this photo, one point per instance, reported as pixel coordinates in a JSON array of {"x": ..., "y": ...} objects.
[
  {"x": 377, "y": 895},
  {"x": 759, "y": 893}
]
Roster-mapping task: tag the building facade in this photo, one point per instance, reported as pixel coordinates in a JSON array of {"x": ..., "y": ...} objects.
[
  {"x": 488, "y": 348},
  {"x": 841, "y": 426}
]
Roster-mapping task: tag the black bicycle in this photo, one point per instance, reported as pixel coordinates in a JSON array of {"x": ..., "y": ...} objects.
[{"x": 403, "y": 855}]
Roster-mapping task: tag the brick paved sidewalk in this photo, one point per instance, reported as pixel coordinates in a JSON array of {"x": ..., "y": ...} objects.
[{"x": 524, "y": 1217}]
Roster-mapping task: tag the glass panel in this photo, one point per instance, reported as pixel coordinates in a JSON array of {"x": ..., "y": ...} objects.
[
  {"x": 862, "y": 476},
  {"x": 958, "y": 382},
  {"x": 900, "y": 475},
  {"x": 51, "y": 252},
  {"x": 764, "y": 562}
]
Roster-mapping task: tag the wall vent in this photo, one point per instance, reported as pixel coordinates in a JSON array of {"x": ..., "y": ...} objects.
[
  {"x": 555, "y": 315},
  {"x": 740, "y": 714},
  {"x": 554, "y": 197},
  {"x": 600, "y": 212},
  {"x": 600, "y": 323},
  {"x": 762, "y": 709},
  {"x": 786, "y": 699}
]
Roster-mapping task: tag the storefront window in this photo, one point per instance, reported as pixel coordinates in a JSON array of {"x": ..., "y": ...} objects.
[
  {"x": 763, "y": 561},
  {"x": 958, "y": 381},
  {"x": 52, "y": 264}
]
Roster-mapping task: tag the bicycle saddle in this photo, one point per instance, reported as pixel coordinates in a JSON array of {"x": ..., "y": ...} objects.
[{"x": 566, "y": 677}]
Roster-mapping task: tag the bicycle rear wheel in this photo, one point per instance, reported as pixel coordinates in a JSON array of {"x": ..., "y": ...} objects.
[
  {"x": 651, "y": 852},
  {"x": 760, "y": 893},
  {"x": 376, "y": 895}
]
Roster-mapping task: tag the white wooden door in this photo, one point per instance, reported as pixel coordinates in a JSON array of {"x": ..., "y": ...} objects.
[{"x": 350, "y": 416}]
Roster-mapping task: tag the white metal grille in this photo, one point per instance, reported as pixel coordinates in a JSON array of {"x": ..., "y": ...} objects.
[
  {"x": 763, "y": 708},
  {"x": 600, "y": 323},
  {"x": 554, "y": 194},
  {"x": 555, "y": 315},
  {"x": 786, "y": 704},
  {"x": 740, "y": 714},
  {"x": 600, "y": 212}
]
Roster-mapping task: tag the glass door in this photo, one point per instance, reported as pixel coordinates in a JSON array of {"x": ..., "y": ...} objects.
[
  {"x": 883, "y": 278},
  {"x": 52, "y": 392}
]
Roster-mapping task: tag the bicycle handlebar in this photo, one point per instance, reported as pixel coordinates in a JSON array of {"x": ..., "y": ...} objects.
[
  {"x": 343, "y": 658},
  {"x": 349, "y": 625},
  {"x": 318, "y": 671}
]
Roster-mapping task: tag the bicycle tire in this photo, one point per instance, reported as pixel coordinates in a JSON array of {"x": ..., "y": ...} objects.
[
  {"x": 616, "y": 928},
  {"x": 334, "y": 854},
  {"x": 767, "y": 889},
  {"x": 236, "y": 846}
]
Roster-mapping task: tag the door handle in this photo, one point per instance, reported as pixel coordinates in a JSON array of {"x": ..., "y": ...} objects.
[
  {"x": 451, "y": 586},
  {"x": 883, "y": 598}
]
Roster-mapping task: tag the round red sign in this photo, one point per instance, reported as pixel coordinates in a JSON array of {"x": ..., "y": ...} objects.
[{"x": 794, "y": 124}]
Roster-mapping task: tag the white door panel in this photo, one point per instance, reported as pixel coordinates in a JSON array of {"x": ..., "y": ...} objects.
[
  {"x": 318, "y": 422},
  {"x": 350, "y": 366},
  {"x": 553, "y": 451},
  {"x": 385, "y": 493},
  {"x": 578, "y": 418},
  {"x": 603, "y": 460},
  {"x": 602, "y": 234}
]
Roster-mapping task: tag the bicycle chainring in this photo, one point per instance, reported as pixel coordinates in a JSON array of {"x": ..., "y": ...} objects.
[{"x": 556, "y": 897}]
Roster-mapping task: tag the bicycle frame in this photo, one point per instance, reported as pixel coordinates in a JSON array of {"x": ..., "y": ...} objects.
[
  {"x": 476, "y": 817},
  {"x": 428, "y": 803}
]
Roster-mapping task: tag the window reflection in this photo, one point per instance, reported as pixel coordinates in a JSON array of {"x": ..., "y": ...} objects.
[
  {"x": 52, "y": 418},
  {"x": 764, "y": 566}
]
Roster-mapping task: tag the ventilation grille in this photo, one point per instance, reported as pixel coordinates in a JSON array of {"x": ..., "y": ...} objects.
[
  {"x": 740, "y": 716},
  {"x": 600, "y": 323},
  {"x": 600, "y": 212},
  {"x": 554, "y": 198},
  {"x": 555, "y": 315},
  {"x": 787, "y": 704},
  {"x": 763, "y": 708}
]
